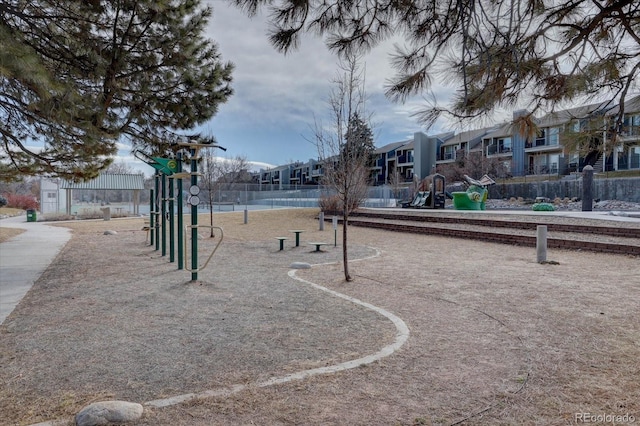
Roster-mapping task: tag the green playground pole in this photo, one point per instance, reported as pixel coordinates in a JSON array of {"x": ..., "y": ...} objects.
[
  {"x": 172, "y": 225},
  {"x": 180, "y": 224},
  {"x": 151, "y": 217},
  {"x": 194, "y": 219},
  {"x": 164, "y": 215},
  {"x": 156, "y": 209}
]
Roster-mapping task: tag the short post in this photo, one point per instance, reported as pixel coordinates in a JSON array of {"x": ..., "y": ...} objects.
[
  {"x": 321, "y": 220},
  {"x": 335, "y": 230},
  {"x": 541, "y": 243},
  {"x": 587, "y": 189},
  {"x": 246, "y": 216}
]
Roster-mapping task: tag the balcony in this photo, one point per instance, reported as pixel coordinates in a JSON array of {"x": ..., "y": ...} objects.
[
  {"x": 629, "y": 134},
  {"x": 541, "y": 144},
  {"x": 494, "y": 149},
  {"x": 543, "y": 169},
  {"x": 449, "y": 156}
]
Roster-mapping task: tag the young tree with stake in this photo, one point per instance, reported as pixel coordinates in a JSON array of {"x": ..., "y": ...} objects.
[{"x": 346, "y": 149}]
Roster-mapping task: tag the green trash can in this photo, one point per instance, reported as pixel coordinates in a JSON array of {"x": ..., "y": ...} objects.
[{"x": 31, "y": 215}]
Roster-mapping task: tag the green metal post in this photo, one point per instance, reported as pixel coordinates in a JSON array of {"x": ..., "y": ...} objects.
[
  {"x": 156, "y": 209},
  {"x": 172, "y": 225},
  {"x": 194, "y": 218},
  {"x": 180, "y": 224},
  {"x": 152, "y": 219},
  {"x": 164, "y": 215}
]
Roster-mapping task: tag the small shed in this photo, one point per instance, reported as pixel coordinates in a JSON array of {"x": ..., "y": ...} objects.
[{"x": 106, "y": 181}]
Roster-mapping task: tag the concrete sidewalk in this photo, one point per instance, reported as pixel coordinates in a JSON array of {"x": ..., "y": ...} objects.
[{"x": 25, "y": 257}]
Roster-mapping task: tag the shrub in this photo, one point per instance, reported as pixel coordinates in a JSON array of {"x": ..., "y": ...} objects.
[
  {"x": 543, "y": 207},
  {"x": 330, "y": 204},
  {"x": 23, "y": 202},
  {"x": 3, "y": 201}
]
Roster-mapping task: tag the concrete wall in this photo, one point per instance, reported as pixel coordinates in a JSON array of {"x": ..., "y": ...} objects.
[{"x": 623, "y": 189}]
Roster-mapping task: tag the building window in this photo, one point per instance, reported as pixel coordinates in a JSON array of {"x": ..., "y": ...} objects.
[
  {"x": 554, "y": 136},
  {"x": 449, "y": 152},
  {"x": 632, "y": 125},
  {"x": 635, "y": 158},
  {"x": 554, "y": 159},
  {"x": 504, "y": 145}
]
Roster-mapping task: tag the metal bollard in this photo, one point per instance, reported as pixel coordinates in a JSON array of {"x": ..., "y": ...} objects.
[
  {"x": 541, "y": 243},
  {"x": 587, "y": 189}
]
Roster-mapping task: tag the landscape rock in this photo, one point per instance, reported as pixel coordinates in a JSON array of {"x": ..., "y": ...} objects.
[
  {"x": 109, "y": 232},
  {"x": 565, "y": 205},
  {"x": 109, "y": 412}
]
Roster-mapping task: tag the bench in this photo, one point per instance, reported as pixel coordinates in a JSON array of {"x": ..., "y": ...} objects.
[
  {"x": 281, "y": 241},
  {"x": 318, "y": 245}
]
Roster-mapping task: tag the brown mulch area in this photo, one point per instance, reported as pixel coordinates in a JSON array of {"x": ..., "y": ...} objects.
[{"x": 496, "y": 338}]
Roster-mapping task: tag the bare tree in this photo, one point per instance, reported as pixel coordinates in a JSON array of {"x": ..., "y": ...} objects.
[
  {"x": 219, "y": 173},
  {"x": 346, "y": 148},
  {"x": 395, "y": 181},
  {"x": 473, "y": 164}
]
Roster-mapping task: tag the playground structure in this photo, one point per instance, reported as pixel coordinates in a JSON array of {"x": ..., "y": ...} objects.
[
  {"x": 162, "y": 206},
  {"x": 475, "y": 196},
  {"x": 431, "y": 193}
]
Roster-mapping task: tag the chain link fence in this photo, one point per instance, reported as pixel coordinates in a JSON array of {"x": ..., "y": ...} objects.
[{"x": 291, "y": 196}]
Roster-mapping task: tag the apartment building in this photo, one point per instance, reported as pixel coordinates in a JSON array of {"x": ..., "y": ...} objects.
[{"x": 544, "y": 154}]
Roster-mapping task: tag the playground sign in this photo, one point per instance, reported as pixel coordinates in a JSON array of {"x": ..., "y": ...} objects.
[{"x": 167, "y": 166}]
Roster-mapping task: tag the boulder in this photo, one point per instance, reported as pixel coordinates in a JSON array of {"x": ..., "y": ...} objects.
[{"x": 109, "y": 412}]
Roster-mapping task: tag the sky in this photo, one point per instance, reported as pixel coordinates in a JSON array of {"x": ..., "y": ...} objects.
[{"x": 277, "y": 97}]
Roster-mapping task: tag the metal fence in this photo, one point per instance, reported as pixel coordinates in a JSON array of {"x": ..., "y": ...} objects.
[{"x": 292, "y": 195}]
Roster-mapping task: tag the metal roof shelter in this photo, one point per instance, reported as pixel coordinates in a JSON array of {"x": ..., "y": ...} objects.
[{"x": 134, "y": 182}]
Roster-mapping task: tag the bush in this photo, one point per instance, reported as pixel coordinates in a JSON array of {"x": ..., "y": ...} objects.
[
  {"x": 543, "y": 207},
  {"x": 330, "y": 204},
  {"x": 23, "y": 202},
  {"x": 3, "y": 201}
]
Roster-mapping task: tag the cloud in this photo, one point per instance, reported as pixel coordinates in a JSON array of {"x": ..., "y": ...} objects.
[{"x": 278, "y": 97}]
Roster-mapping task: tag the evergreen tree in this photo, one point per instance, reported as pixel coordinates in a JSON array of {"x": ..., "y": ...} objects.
[
  {"x": 126, "y": 70},
  {"x": 534, "y": 54},
  {"x": 358, "y": 139}
]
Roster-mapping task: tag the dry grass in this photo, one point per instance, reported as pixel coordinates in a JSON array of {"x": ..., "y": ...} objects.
[
  {"x": 8, "y": 233},
  {"x": 496, "y": 338}
]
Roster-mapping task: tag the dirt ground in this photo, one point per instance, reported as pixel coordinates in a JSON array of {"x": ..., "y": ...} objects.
[{"x": 494, "y": 337}]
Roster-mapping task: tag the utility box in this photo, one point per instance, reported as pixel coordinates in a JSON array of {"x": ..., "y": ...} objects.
[{"x": 31, "y": 215}]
